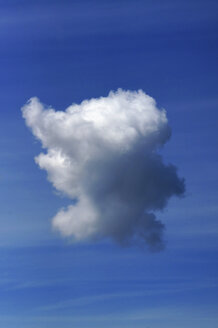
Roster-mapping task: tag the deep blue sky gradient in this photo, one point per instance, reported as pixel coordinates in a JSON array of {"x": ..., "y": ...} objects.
[{"x": 68, "y": 51}]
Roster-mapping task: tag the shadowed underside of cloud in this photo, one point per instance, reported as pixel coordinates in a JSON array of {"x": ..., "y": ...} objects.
[{"x": 103, "y": 154}]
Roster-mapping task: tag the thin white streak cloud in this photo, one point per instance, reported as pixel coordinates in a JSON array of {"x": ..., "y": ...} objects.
[
  {"x": 143, "y": 291},
  {"x": 102, "y": 18}
]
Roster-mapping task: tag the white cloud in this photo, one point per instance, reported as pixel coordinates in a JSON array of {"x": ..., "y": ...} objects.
[{"x": 102, "y": 154}]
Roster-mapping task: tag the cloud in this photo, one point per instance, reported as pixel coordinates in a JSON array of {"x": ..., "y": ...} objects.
[{"x": 103, "y": 154}]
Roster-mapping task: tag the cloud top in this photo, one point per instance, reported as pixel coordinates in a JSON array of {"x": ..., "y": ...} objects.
[{"x": 103, "y": 154}]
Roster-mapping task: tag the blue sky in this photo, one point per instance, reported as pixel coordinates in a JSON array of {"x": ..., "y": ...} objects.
[{"x": 68, "y": 51}]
